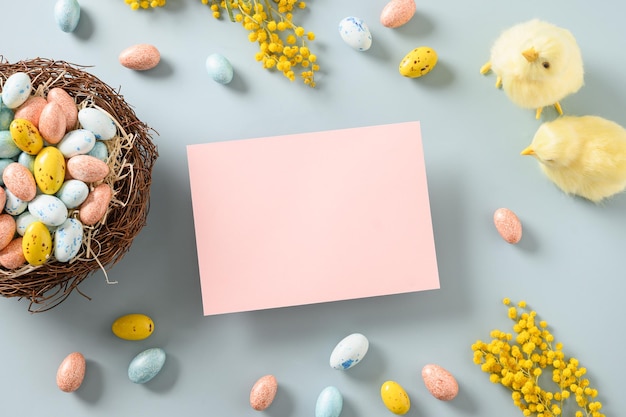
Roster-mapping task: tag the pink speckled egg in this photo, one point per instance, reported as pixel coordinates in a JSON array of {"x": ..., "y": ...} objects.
[
  {"x": 95, "y": 205},
  {"x": 71, "y": 372},
  {"x": 7, "y": 230},
  {"x": 508, "y": 225},
  {"x": 439, "y": 382},
  {"x": 140, "y": 57},
  {"x": 263, "y": 392},
  {"x": 86, "y": 168},
  {"x": 31, "y": 109},
  {"x": 20, "y": 181},
  {"x": 3, "y": 197},
  {"x": 52, "y": 123},
  {"x": 12, "y": 256},
  {"x": 67, "y": 104},
  {"x": 397, "y": 12}
]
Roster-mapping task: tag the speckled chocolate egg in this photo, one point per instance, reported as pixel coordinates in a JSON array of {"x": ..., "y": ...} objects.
[
  {"x": 133, "y": 326},
  {"x": 397, "y": 13},
  {"x": 263, "y": 392},
  {"x": 71, "y": 372},
  {"x": 395, "y": 397},
  {"x": 146, "y": 365},
  {"x": 355, "y": 33},
  {"x": 508, "y": 225},
  {"x": 439, "y": 382},
  {"x": 420, "y": 61}
]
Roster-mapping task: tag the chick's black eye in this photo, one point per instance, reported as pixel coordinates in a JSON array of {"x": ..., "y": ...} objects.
[{"x": 546, "y": 65}]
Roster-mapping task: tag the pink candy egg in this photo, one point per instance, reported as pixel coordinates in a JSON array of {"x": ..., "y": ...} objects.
[
  {"x": 52, "y": 123},
  {"x": 71, "y": 372},
  {"x": 140, "y": 57},
  {"x": 439, "y": 382},
  {"x": 67, "y": 104},
  {"x": 263, "y": 392},
  {"x": 31, "y": 109},
  {"x": 86, "y": 168},
  {"x": 7, "y": 230},
  {"x": 20, "y": 181},
  {"x": 12, "y": 256},
  {"x": 95, "y": 205},
  {"x": 508, "y": 225},
  {"x": 397, "y": 12}
]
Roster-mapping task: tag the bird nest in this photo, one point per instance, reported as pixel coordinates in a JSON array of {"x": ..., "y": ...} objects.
[{"x": 131, "y": 158}]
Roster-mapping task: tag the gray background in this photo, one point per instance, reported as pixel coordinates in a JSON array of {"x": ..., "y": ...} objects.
[{"x": 568, "y": 265}]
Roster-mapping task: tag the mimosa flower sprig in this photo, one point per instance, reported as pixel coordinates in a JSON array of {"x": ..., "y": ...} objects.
[
  {"x": 283, "y": 45},
  {"x": 518, "y": 361}
]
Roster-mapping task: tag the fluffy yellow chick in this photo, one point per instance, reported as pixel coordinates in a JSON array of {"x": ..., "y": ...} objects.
[
  {"x": 585, "y": 156},
  {"x": 537, "y": 64}
]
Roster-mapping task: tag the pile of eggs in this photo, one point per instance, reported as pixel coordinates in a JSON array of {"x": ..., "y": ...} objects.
[{"x": 53, "y": 159}]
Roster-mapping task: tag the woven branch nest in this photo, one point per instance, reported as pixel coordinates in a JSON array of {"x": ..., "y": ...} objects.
[{"x": 131, "y": 158}]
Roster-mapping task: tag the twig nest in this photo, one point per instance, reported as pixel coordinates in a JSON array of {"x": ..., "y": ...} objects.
[{"x": 114, "y": 165}]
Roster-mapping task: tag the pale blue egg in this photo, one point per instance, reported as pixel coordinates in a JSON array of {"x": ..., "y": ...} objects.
[
  {"x": 4, "y": 162},
  {"x": 14, "y": 206},
  {"x": 67, "y": 14},
  {"x": 100, "y": 151},
  {"x": 146, "y": 365},
  {"x": 355, "y": 33},
  {"x": 73, "y": 193},
  {"x": 98, "y": 122},
  {"x": 16, "y": 90},
  {"x": 6, "y": 116},
  {"x": 27, "y": 160},
  {"x": 68, "y": 239},
  {"x": 329, "y": 403},
  {"x": 8, "y": 148},
  {"x": 77, "y": 142},
  {"x": 49, "y": 209},
  {"x": 219, "y": 68}
]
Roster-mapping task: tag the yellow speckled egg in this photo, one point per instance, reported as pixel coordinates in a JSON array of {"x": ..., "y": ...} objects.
[
  {"x": 395, "y": 397},
  {"x": 420, "y": 61},
  {"x": 37, "y": 243},
  {"x": 26, "y": 136},
  {"x": 49, "y": 170},
  {"x": 133, "y": 327}
]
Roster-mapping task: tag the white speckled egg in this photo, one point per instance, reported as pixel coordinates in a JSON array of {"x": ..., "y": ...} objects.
[
  {"x": 98, "y": 122},
  {"x": 146, "y": 365},
  {"x": 77, "y": 142},
  {"x": 72, "y": 193},
  {"x": 23, "y": 221},
  {"x": 49, "y": 209},
  {"x": 67, "y": 240},
  {"x": 13, "y": 205},
  {"x": 349, "y": 351},
  {"x": 355, "y": 33},
  {"x": 16, "y": 90},
  {"x": 329, "y": 403},
  {"x": 219, "y": 68},
  {"x": 67, "y": 14}
]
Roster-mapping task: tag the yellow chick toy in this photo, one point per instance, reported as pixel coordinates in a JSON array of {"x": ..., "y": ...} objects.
[
  {"x": 537, "y": 64},
  {"x": 585, "y": 156}
]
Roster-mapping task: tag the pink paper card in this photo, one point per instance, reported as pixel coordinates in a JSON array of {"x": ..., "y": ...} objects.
[{"x": 311, "y": 218}]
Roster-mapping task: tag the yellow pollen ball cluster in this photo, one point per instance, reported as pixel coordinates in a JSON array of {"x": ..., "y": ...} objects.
[
  {"x": 283, "y": 45},
  {"x": 144, "y": 4},
  {"x": 519, "y": 360}
]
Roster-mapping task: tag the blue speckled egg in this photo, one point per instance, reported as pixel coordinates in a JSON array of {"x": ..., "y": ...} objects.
[
  {"x": 6, "y": 116},
  {"x": 67, "y": 14},
  {"x": 77, "y": 142},
  {"x": 99, "y": 151},
  {"x": 219, "y": 68},
  {"x": 27, "y": 160},
  {"x": 329, "y": 403},
  {"x": 349, "y": 351},
  {"x": 14, "y": 205},
  {"x": 16, "y": 90},
  {"x": 23, "y": 221},
  {"x": 8, "y": 148},
  {"x": 67, "y": 240},
  {"x": 49, "y": 209},
  {"x": 355, "y": 33},
  {"x": 146, "y": 365},
  {"x": 98, "y": 122},
  {"x": 73, "y": 193}
]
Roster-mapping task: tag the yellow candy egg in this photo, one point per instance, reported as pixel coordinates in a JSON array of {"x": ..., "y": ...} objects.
[
  {"x": 37, "y": 243},
  {"x": 420, "y": 61},
  {"x": 395, "y": 397},
  {"x": 26, "y": 136},
  {"x": 49, "y": 170},
  {"x": 133, "y": 327}
]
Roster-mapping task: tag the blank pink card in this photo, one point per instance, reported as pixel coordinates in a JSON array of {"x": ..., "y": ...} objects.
[{"x": 311, "y": 218}]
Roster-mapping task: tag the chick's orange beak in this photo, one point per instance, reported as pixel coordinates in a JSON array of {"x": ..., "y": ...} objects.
[
  {"x": 528, "y": 151},
  {"x": 531, "y": 54}
]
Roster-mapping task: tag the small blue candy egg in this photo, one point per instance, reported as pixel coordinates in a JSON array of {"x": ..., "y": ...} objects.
[
  {"x": 27, "y": 160},
  {"x": 219, "y": 68},
  {"x": 6, "y": 116},
  {"x": 355, "y": 33},
  {"x": 67, "y": 240},
  {"x": 67, "y": 14},
  {"x": 146, "y": 365},
  {"x": 329, "y": 403},
  {"x": 73, "y": 193},
  {"x": 14, "y": 206},
  {"x": 99, "y": 151}
]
